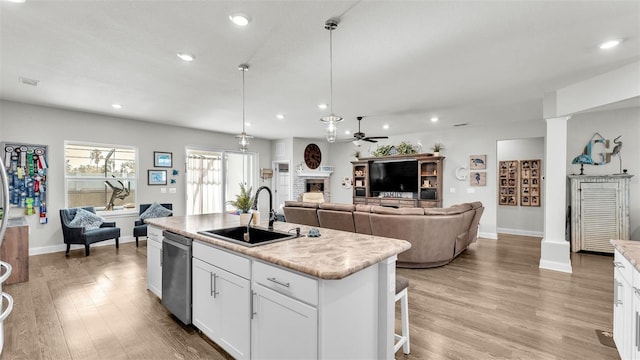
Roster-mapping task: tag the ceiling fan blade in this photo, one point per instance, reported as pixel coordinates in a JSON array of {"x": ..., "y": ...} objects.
[
  {"x": 370, "y": 140},
  {"x": 376, "y": 137}
]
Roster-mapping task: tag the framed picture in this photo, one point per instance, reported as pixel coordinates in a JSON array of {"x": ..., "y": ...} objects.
[
  {"x": 157, "y": 177},
  {"x": 162, "y": 159},
  {"x": 478, "y": 178},
  {"x": 477, "y": 162}
]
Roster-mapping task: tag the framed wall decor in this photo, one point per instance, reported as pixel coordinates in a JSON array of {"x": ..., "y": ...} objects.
[
  {"x": 157, "y": 177},
  {"x": 530, "y": 193},
  {"x": 478, "y": 178},
  {"x": 477, "y": 162},
  {"x": 162, "y": 159},
  {"x": 508, "y": 183}
]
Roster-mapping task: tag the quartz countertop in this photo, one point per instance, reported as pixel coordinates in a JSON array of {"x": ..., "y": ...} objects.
[
  {"x": 334, "y": 255},
  {"x": 629, "y": 249}
]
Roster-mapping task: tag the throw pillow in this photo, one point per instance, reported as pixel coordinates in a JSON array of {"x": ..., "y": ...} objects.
[
  {"x": 86, "y": 219},
  {"x": 155, "y": 211}
]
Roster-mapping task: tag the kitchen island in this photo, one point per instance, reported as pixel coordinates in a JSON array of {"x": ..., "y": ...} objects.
[{"x": 326, "y": 297}]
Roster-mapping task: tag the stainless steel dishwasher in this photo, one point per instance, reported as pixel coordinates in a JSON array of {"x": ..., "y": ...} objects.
[{"x": 176, "y": 275}]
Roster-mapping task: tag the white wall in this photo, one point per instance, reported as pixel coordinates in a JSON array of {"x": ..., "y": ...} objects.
[
  {"x": 610, "y": 124},
  {"x": 521, "y": 220},
  {"x": 49, "y": 126}
]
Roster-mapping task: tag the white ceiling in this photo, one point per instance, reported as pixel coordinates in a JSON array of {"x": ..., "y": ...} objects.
[{"x": 398, "y": 62}]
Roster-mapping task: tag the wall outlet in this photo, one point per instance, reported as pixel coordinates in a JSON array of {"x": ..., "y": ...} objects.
[
  {"x": 163, "y": 190},
  {"x": 172, "y": 190},
  {"x": 452, "y": 190},
  {"x": 471, "y": 190}
]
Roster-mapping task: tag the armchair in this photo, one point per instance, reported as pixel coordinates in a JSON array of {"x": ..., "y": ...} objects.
[
  {"x": 140, "y": 228},
  {"x": 83, "y": 236}
]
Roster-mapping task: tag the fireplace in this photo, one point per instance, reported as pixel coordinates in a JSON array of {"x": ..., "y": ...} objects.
[{"x": 314, "y": 185}]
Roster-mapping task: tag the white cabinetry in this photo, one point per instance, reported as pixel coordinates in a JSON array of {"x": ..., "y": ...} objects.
[
  {"x": 221, "y": 298},
  {"x": 283, "y": 325},
  {"x": 154, "y": 260},
  {"x": 625, "y": 317},
  {"x": 635, "y": 338},
  {"x": 599, "y": 211}
]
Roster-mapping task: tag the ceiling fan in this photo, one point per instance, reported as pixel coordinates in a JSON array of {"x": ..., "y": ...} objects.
[{"x": 359, "y": 136}]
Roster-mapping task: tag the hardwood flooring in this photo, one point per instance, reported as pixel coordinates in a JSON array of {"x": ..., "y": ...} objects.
[{"x": 491, "y": 302}]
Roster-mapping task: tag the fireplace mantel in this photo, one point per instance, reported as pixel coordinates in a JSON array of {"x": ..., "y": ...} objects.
[{"x": 313, "y": 173}]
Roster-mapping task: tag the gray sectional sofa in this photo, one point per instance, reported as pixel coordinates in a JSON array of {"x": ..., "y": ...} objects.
[{"x": 437, "y": 235}]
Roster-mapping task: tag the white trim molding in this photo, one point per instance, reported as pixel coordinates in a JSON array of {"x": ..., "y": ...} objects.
[{"x": 63, "y": 247}]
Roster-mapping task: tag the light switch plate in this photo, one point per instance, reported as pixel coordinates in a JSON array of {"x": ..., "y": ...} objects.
[
  {"x": 452, "y": 190},
  {"x": 471, "y": 190},
  {"x": 163, "y": 190},
  {"x": 172, "y": 190}
]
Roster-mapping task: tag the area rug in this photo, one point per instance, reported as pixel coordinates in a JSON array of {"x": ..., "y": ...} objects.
[{"x": 606, "y": 338}]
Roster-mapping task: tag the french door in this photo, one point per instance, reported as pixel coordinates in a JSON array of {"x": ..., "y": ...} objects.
[{"x": 214, "y": 177}]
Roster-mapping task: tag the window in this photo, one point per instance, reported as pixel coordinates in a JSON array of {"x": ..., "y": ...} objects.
[
  {"x": 99, "y": 175},
  {"x": 212, "y": 181}
]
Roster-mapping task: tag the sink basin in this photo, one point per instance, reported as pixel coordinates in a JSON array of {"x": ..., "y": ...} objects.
[{"x": 256, "y": 237}]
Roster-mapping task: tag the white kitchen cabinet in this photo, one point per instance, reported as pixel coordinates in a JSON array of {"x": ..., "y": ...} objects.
[
  {"x": 635, "y": 337},
  {"x": 624, "y": 317},
  {"x": 282, "y": 327},
  {"x": 221, "y": 299},
  {"x": 154, "y": 260}
]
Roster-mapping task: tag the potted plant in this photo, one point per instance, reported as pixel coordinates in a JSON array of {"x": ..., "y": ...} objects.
[
  {"x": 243, "y": 203},
  {"x": 436, "y": 149}
]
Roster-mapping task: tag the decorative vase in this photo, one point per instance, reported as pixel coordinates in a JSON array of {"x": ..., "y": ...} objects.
[{"x": 244, "y": 219}]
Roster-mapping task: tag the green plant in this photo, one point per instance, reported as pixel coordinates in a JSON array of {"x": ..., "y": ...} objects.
[
  {"x": 437, "y": 147},
  {"x": 244, "y": 200},
  {"x": 356, "y": 153},
  {"x": 382, "y": 150},
  {"x": 405, "y": 148}
]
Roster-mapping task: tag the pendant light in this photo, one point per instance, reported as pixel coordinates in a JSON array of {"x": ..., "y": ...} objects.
[
  {"x": 331, "y": 121},
  {"x": 243, "y": 138}
]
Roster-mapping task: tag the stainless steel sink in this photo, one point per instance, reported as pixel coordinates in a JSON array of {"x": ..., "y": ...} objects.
[{"x": 256, "y": 236}]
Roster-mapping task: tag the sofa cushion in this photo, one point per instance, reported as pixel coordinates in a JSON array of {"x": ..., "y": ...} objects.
[
  {"x": 86, "y": 219},
  {"x": 337, "y": 207},
  {"x": 363, "y": 208},
  {"x": 301, "y": 204},
  {"x": 452, "y": 210},
  {"x": 393, "y": 211},
  {"x": 155, "y": 211}
]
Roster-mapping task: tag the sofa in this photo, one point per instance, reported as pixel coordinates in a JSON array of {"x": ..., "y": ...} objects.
[{"x": 437, "y": 235}]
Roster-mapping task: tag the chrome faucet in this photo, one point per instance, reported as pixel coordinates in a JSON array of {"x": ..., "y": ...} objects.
[{"x": 272, "y": 213}]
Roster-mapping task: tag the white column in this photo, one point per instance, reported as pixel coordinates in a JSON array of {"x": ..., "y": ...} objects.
[{"x": 555, "y": 250}]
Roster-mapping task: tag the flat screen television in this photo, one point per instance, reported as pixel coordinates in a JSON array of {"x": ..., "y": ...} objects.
[{"x": 401, "y": 176}]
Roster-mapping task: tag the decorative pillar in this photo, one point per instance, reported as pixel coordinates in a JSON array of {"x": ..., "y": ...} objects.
[{"x": 555, "y": 249}]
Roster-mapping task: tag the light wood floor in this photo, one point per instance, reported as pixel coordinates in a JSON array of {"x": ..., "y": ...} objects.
[{"x": 491, "y": 302}]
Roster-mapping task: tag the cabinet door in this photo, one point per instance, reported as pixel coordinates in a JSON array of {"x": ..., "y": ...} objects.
[
  {"x": 622, "y": 315},
  {"x": 635, "y": 338},
  {"x": 221, "y": 307},
  {"x": 154, "y": 267},
  {"x": 282, "y": 328}
]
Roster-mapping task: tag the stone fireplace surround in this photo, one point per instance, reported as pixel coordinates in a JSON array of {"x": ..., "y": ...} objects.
[{"x": 302, "y": 184}]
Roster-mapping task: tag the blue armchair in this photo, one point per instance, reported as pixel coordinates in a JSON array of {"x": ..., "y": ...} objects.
[
  {"x": 82, "y": 236},
  {"x": 140, "y": 228}
]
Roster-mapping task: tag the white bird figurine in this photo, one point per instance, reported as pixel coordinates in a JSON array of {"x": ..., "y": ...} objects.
[{"x": 616, "y": 150}]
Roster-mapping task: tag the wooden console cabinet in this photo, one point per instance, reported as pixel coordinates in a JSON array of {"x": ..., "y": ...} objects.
[
  {"x": 15, "y": 250},
  {"x": 429, "y": 180}
]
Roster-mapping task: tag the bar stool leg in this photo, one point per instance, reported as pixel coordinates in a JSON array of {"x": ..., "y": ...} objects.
[{"x": 404, "y": 313}]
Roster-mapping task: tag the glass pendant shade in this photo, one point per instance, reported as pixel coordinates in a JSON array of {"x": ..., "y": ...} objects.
[
  {"x": 331, "y": 121},
  {"x": 243, "y": 141},
  {"x": 331, "y": 129}
]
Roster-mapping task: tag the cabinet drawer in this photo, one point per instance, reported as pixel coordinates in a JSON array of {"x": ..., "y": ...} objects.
[
  {"x": 154, "y": 233},
  {"x": 225, "y": 260},
  {"x": 286, "y": 282},
  {"x": 624, "y": 266}
]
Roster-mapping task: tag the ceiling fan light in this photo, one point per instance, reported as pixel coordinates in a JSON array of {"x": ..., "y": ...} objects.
[{"x": 357, "y": 142}]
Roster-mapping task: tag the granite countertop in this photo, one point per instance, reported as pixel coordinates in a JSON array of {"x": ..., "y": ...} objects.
[
  {"x": 334, "y": 255},
  {"x": 629, "y": 249}
]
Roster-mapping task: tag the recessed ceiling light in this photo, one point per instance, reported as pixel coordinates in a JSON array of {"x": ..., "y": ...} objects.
[
  {"x": 116, "y": 106},
  {"x": 434, "y": 119},
  {"x": 239, "y": 19},
  {"x": 322, "y": 106},
  {"x": 248, "y": 124},
  {"x": 347, "y": 132},
  {"x": 280, "y": 116},
  {"x": 186, "y": 57},
  {"x": 610, "y": 44},
  {"x": 17, "y": 1},
  {"x": 385, "y": 126}
]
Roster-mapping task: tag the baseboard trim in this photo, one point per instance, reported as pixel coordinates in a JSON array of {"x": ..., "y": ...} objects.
[
  {"x": 556, "y": 266},
  {"x": 486, "y": 235},
  {"x": 63, "y": 247},
  {"x": 521, "y": 232}
]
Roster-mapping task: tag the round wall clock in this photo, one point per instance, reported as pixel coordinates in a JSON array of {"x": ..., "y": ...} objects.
[{"x": 312, "y": 156}]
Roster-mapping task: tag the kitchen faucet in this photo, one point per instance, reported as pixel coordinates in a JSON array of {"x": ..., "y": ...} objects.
[{"x": 272, "y": 213}]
